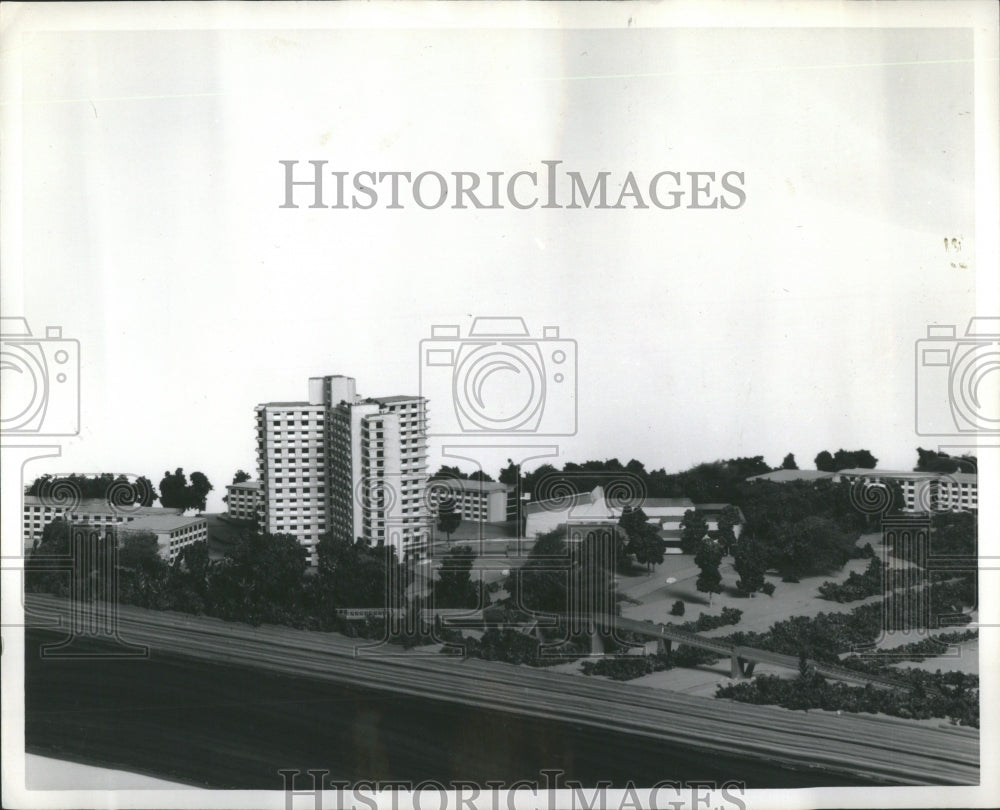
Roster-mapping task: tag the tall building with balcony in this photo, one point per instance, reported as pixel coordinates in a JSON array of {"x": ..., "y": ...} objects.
[
  {"x": 342, "y": 463},
  {"x": 291, "y": 466},
  {"x": 378, "y": 474}
]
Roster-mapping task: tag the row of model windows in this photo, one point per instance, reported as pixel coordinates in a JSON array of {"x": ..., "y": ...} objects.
[
  {"x": 909, "y": 484},
  {"x": 189, "y": 530},
  {"x": 185, "y": 541},
  {"x": 53, "y": 511}
]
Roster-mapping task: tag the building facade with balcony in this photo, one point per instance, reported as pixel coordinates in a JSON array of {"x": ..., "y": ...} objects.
[
  {"x": 291, "y": 467},
  {"x": 378, "y": 470}
]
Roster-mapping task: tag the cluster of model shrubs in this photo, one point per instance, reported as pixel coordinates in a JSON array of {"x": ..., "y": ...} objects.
[
  {"x": 706, "y": 622},
  {"x": 856, "y": 586},
  {"x": 827, "y": 636},
  {"x": 865, "y": 552},
  {"x": 871, "y": 582},
  {"x": 953, "y": 695},
  {"x": 793, "y": 529},
  {"x": 822, "y": 637},
  {"x": 796, "y": 529},
  {"x": 950, "y": 596},
  {"x": 877, "y": 661},
  {"x": 515, "y": 647},
  {"x": 629, "y": 667}
]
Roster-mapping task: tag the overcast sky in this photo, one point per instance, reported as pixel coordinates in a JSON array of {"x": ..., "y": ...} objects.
[{"x": 152, "y": 230}]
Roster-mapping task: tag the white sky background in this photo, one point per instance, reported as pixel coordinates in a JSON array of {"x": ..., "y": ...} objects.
[{"x": 152, "y": 233}]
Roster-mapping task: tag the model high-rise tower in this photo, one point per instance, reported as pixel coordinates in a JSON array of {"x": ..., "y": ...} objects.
[{"x": 341, "y": 463}]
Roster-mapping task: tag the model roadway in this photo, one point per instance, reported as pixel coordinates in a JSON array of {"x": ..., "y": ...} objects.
[{"x": 872, "y": 749}]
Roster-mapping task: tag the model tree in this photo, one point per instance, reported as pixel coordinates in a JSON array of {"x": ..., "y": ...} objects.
[
  {"x": 449, "y": 518},
  {"x": 694, "y": 527},
  {"x": 750, "y": 564},
  {"x": 708, "y": 558},
  {"x": 644, "y": 540},
  {"x": 177, "y": 493}
]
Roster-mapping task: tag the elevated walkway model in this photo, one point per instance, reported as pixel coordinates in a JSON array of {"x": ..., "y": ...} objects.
[{"x": 743, "y": 658}]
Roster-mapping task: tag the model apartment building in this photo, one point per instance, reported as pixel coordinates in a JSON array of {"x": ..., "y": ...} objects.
[{"x": 342, "y": 463}]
